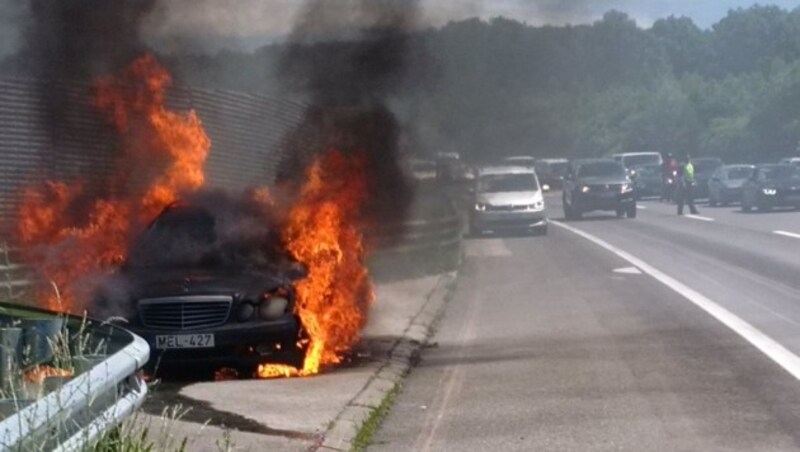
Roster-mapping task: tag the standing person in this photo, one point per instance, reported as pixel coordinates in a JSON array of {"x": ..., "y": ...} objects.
[{"x": 687, "y": 182}]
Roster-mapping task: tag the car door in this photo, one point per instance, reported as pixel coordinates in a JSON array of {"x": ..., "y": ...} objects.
[
  {"x": 715, "y": 183},
  {"x": 750, "y": 187},
  {"x": 568, "y": 185}
]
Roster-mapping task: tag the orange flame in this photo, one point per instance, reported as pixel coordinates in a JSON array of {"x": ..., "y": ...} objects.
[
  {"x": 173, "y": 144},
  {"x": 321, "y": 232},
  {"x": 38, "y": 374}
]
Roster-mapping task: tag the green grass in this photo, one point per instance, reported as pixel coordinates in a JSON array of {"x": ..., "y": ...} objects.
[{"x": 367, "y": 431}]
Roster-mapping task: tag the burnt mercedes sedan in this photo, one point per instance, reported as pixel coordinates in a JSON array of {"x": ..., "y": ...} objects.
[{"x": 200, "y": 289}]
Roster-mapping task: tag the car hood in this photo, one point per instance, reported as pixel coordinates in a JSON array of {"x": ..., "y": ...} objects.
[
  {"x": 602, "y": 180},
  {"x": 509, "y": 198},
  {"x": 734, "y": 183},
  {"x": 147, "y": 283},
  {"x": 790, "y": 184}
]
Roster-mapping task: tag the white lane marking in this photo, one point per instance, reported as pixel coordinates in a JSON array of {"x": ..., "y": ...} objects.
[
  {"x": 487, "y": 248},
  {"x": 698, "y": 217},
  {"x": 628, "y": 271},
  {"x": 787, "y": 234},
  {"x": 775, "y": 351}
]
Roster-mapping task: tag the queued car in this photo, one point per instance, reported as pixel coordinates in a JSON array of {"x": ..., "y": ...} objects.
[
  {"x": 791, "y": 161},
  {"x": 598, "y": 184},
  {"x": 195, "y": 300},
  {"x": 774, "y": 185},
  {"x": 422, "y": 170},
  {"x": 647, "y": 180},
  {"x": 631, "y": 160},
  {"x": 725, "y": 184},
  {"x": 508, "y": 198},
  {"x": 520, "y": 160},
  {"x": 704, "y": 167},
  {"x": 551, "y": 172}
]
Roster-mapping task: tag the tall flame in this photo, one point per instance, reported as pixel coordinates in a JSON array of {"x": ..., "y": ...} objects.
[
  {"x": 95, "y": 240},
  {"x": 321, "y": 232}
]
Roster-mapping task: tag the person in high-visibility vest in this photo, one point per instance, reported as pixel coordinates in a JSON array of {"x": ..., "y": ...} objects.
[{"x": 686, "y": 186}]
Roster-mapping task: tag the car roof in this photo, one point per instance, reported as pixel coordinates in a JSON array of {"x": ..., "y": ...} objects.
[
  {"x": 594, "y": 160},
  {"x": 775, "y": 165},
  {"x": 554, "y": 160},
  {"x": 510, "y": 169},
  {"x": 519, "y": 157},
  {"x": 625, "y": 154}
]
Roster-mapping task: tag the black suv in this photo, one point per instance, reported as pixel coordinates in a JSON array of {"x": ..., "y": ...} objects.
[{"x": 598, "y": 184}]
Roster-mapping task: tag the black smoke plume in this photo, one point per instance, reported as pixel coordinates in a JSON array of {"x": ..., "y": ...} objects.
[
  {"x": 348, "y": 58},
  {"x": 81, "y": 39},
  {"x": 65, "y": 46}
]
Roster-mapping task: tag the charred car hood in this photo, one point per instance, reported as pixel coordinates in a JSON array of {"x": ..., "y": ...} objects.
[{"x": 159, "y": 283}]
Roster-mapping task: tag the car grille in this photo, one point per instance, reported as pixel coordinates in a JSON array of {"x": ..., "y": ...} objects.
[
  {"x": 185, "y": 313},
  {"x": 507, "y": 208},
  {"x": 605, "y": 188}
]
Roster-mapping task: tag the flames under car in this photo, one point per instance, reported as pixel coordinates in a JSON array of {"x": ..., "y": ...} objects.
[{"x": 199, "y": 296}]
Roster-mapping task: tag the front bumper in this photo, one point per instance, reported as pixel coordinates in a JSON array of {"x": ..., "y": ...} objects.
[
  {"x": 522, "y": 219},
  {"x": 588, "y": 202},
  {"x": 235, "y": 343},
  {"x": 783, "y": 198}
]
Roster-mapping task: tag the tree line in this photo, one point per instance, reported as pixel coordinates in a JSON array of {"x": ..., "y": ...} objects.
[{"x": 501, "y": 87}]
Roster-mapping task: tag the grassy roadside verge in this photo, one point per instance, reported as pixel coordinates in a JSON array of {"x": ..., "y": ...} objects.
[{"x": 368, "y": 429}]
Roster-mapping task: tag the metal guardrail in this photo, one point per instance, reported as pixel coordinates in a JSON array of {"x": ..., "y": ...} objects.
[
  {"x": 69, "y": 418},
  {"x": 14, "y": 278},
  {"x": 428, "y": 243}
]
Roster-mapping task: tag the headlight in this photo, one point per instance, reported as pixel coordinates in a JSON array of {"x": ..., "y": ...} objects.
[
  {"x": 245, "y": 311},
  {"x": 626, "y": 188},
  {"x": 480, "y": 207},
  {"x": 272, "y": 307},
  {"x": 545, "y": 187},
  {"x": 770, "y": 191},
  {"x": 669, "y": 181},
  {"x": 585, "y": 189}
]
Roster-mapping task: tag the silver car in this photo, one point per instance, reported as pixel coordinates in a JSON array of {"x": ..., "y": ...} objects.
[{"x": 508, "y": 198}]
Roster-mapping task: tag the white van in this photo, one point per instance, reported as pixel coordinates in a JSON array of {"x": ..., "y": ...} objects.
[{"x": 633, "y": 159}]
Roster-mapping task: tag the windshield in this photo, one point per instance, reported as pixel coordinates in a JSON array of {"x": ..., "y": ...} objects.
[
  {"x": 741, "y": 172},
  {"x": 631, "y": 161},
  {"x": 649, "y": 171},
  {"x": 423, "y": 166},
  {"x": 705, "y": 164},
  {"x": 781, "y": 172},
  {"x": 194, "y": 239},
  {"x": 496, "y": 183},
  {"x": 601, "y": 169},
  {"x": 558, "y": 168}
]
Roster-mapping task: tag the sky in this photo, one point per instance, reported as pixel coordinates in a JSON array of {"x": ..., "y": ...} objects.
[
  {"x": 251, "y": 23},
  {"x": 212, "y": 25}
]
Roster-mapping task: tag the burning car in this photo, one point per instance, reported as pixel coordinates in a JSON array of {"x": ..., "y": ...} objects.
[{"x": 199, "y": 291}]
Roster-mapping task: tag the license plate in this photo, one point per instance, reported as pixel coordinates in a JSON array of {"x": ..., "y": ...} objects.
[{"x": 185, "y": 341}]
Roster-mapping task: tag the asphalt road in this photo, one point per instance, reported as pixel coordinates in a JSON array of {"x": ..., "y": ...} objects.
[{"x": 556, "y": 343}]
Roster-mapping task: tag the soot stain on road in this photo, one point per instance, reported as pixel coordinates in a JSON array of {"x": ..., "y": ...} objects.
[{"x": 201, "y": 412}]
